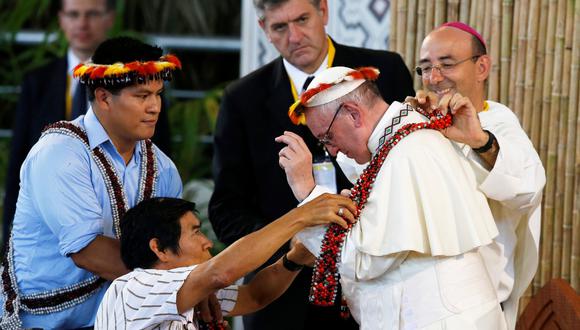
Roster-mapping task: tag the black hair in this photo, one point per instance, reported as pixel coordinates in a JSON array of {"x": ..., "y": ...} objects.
[
  {"x": 125, "y": 50},
  {"x": 153, "y": 218}
]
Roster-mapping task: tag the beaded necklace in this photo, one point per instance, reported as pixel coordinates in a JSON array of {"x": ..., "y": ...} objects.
[
  {"x": 213, "y": 325},
  {"x": 60, "y": 299},
  {"x": 325, "y": 277},
  {"x": 116, "y": 193}
]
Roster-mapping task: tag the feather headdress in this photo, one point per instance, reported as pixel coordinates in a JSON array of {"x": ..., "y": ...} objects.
[{"x": 329, "y": 85}]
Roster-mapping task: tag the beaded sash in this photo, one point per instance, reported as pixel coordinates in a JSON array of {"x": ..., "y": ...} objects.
[
  {"x": 325, "y": 277},
  {"x": 60, "y": 299}
]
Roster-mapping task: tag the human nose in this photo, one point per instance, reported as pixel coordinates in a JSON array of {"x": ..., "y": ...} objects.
[
  {"x": 294, "y": 33},
  {"x": 155, "y": 105},
  {"x": 332, "y": 150},
  {"x": 434, "y": 78},
  {"x": 83, "y": 20},
  {"x": 208, "y": 245}
]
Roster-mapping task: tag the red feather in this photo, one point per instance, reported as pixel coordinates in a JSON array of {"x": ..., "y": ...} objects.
[
  {"x": 366, "y": 72},
  {"x": 313, "y": 91},
  {"x": 173, "y": 59},
  {"x": 149, "y": 68},
  {"x": 137, "y": 67},
  {"x": 98, "y": 72}
]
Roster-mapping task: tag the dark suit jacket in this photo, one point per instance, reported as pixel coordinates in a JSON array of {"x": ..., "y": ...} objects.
[
  {"x": 42, "y": 101},
  {"x": 250, "y": 187}
]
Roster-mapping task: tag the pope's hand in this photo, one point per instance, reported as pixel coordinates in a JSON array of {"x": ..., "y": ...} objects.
[{"x": 296, "y": 160}]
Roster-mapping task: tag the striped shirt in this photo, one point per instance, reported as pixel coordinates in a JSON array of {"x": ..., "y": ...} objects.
[{"x": 146, "y": 299}]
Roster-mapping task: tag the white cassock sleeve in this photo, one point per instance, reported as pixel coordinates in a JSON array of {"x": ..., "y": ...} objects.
[
  {"x": 514, "y": 187},
  {"x": 518, "y": 177}
]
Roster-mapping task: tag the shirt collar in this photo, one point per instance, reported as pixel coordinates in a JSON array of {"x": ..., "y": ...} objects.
[
  {"x": 95, "y": 131},
  {"x": 379, "y": 131},
  {"x": 72, "y": 61},
  {"x": 298, "y": 77}
]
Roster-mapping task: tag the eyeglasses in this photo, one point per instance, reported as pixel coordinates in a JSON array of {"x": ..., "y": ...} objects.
[
  {"x": 325, "y": 140},
  {"x": 443, "y": 68},
  {"x": 74, "y": 15}
]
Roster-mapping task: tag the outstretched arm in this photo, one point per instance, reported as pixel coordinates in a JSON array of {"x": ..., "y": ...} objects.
[
  {"x": 270, "y": 282},
  {"x": 253, "y": 250}
]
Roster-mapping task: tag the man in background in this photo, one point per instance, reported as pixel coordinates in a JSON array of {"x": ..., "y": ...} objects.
[
  {"x": 48, "y": 94},
  {"x": 250, "y": 187}
]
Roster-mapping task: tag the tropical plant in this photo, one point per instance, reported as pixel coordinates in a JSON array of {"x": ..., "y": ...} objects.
[{"x": 192, "y": 123}]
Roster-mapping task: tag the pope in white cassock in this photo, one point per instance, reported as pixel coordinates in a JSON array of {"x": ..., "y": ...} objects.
[{"x": 411, "y": 261}]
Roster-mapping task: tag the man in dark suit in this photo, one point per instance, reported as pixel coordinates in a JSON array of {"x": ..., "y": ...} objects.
[
  {"x": 48, "y": 94},
  {"x": 250, "y": 187}
]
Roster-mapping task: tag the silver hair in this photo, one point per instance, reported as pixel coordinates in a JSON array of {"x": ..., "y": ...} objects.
[
  {"x": 262, "y": 5},
  {"x": 367, "y": 94}
]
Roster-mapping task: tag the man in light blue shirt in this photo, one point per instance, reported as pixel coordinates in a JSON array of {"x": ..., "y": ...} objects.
[{"x": 77, "y": 181}]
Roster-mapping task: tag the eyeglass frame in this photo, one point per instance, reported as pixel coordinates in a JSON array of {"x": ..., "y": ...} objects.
[
  {"x": 445, "y": 66},
  {"x": 325, "y": 140},
  {"x": 90, "y": 15}
]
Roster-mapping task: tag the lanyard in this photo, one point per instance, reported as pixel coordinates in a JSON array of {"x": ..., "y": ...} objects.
[{"x": 331, "y": 52}]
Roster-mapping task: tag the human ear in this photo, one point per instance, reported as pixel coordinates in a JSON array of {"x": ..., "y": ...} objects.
[
  {"x": 324, "y": 11},
  {"x": 483, "y": 67},
  {"x": 354, "y": 113},
  {"x": 103, "y": 98},
  {"x": 154, "y": 246}
]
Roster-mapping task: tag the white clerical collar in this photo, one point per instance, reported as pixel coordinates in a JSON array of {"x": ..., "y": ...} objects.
[
  {"x": 298, "y": 77},
  {"x": 375, "y": 139}
]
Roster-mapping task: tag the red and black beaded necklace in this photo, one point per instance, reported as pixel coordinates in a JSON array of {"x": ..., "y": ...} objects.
[{"x": 325, "y": 277}]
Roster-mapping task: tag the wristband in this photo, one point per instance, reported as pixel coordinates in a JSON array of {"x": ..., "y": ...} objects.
[
  {"x": 487, "y": 145},
  {"x": 290, "y": 265}
]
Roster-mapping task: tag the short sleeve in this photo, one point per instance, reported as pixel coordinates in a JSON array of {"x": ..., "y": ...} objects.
[
  {"x": 58, "y": 175},
  {"x": 143, "y": 298},
  {"x": 227, "y": 298},
  {"x": 169, "y": 184}
]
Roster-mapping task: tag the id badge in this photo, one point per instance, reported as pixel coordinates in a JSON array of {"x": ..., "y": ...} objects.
[{"x": 324, "y": 174}]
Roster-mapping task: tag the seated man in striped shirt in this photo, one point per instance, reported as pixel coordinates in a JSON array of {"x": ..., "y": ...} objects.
[{"x": 173, "y": 271}]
